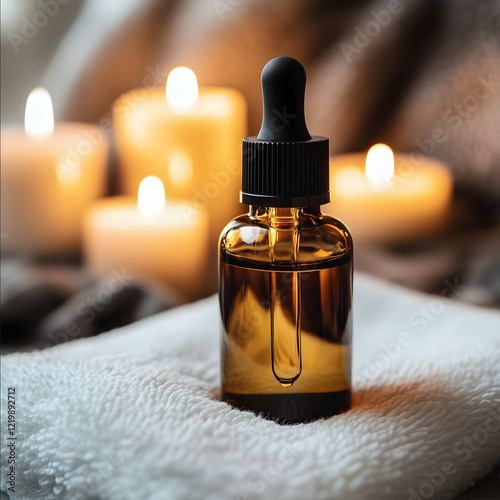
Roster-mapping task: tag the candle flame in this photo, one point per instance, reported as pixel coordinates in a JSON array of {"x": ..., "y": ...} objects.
[
  {"x": 379, "y": 167},
  {"x": 182, "y": 88},
  {"x": 151, "y": 196},
  {"x": 39, "y": 115}
]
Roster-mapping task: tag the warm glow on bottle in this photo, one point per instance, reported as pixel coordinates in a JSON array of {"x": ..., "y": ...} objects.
[
  {"x": 151, "y": 196},
  {"x": 182, "y": 88},
  {"x": 39, "y": 115},
  {"x": 379, "y": 167}
]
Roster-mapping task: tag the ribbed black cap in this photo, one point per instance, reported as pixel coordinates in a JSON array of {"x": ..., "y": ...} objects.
[{"x": 284, "y": 166}]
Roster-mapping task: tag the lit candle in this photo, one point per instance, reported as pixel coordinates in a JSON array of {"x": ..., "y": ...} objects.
[
  {"x": 384, "y": 199},
  {"x": 190, "y": 138},
  {"x": 148, "y": 238},
  {"x": 49, "y": 176}
]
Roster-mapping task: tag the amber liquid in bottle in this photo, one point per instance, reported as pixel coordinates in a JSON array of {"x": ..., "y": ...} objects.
[{"x": 285, "y": 293}]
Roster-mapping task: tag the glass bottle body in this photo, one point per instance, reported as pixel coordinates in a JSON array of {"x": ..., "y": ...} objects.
[{"x": 285, "y": 289}]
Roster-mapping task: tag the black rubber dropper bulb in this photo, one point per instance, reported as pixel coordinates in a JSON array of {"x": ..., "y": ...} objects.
[
  {"x": 283, "y": 92},
  {"x": 284, "y": 166}
]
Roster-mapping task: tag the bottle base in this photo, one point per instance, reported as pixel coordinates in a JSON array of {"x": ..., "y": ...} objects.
[{"x": 292, "y": 408}]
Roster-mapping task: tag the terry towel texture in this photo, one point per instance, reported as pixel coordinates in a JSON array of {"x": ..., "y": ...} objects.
[{"x": 135, "y": 413}]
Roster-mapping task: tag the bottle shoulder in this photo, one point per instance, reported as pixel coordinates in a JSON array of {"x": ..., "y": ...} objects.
[{"x": 317, "y": 238}]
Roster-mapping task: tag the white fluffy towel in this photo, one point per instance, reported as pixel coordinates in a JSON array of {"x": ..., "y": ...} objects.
[{"x": 135, "y": 414}]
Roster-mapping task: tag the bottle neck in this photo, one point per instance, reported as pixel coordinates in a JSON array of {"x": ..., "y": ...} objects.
[{"x": 284, "y": 212}]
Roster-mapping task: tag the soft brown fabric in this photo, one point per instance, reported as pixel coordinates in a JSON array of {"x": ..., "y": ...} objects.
[
  {"x": 422, "y": 76},
  {"x": 421, "y": 72}
]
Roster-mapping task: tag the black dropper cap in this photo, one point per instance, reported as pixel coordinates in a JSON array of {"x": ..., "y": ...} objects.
[{"x": 284, "y": 166}]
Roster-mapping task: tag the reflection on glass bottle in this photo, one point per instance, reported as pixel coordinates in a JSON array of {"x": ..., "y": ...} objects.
[{"x": 286, "y": 323}]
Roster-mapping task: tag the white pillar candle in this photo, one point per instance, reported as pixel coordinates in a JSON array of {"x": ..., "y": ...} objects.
[
  {"x": 149, "y": 238},
  {"x": 190, "y": 138},
  {"x": 49, "y": 176},
  {"x": 387, "y": 199}
]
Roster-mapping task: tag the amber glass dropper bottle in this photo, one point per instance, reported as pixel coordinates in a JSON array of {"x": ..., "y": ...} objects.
[{"x": 285, "y": 270}]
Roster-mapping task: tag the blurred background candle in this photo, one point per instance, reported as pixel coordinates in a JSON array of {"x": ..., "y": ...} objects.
[
  {"x": 49, "y": 175},
  {"x": 189, "y": 138},
  {"x": 148, "y": 238},
  {"x": 383, "y": 199}
]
